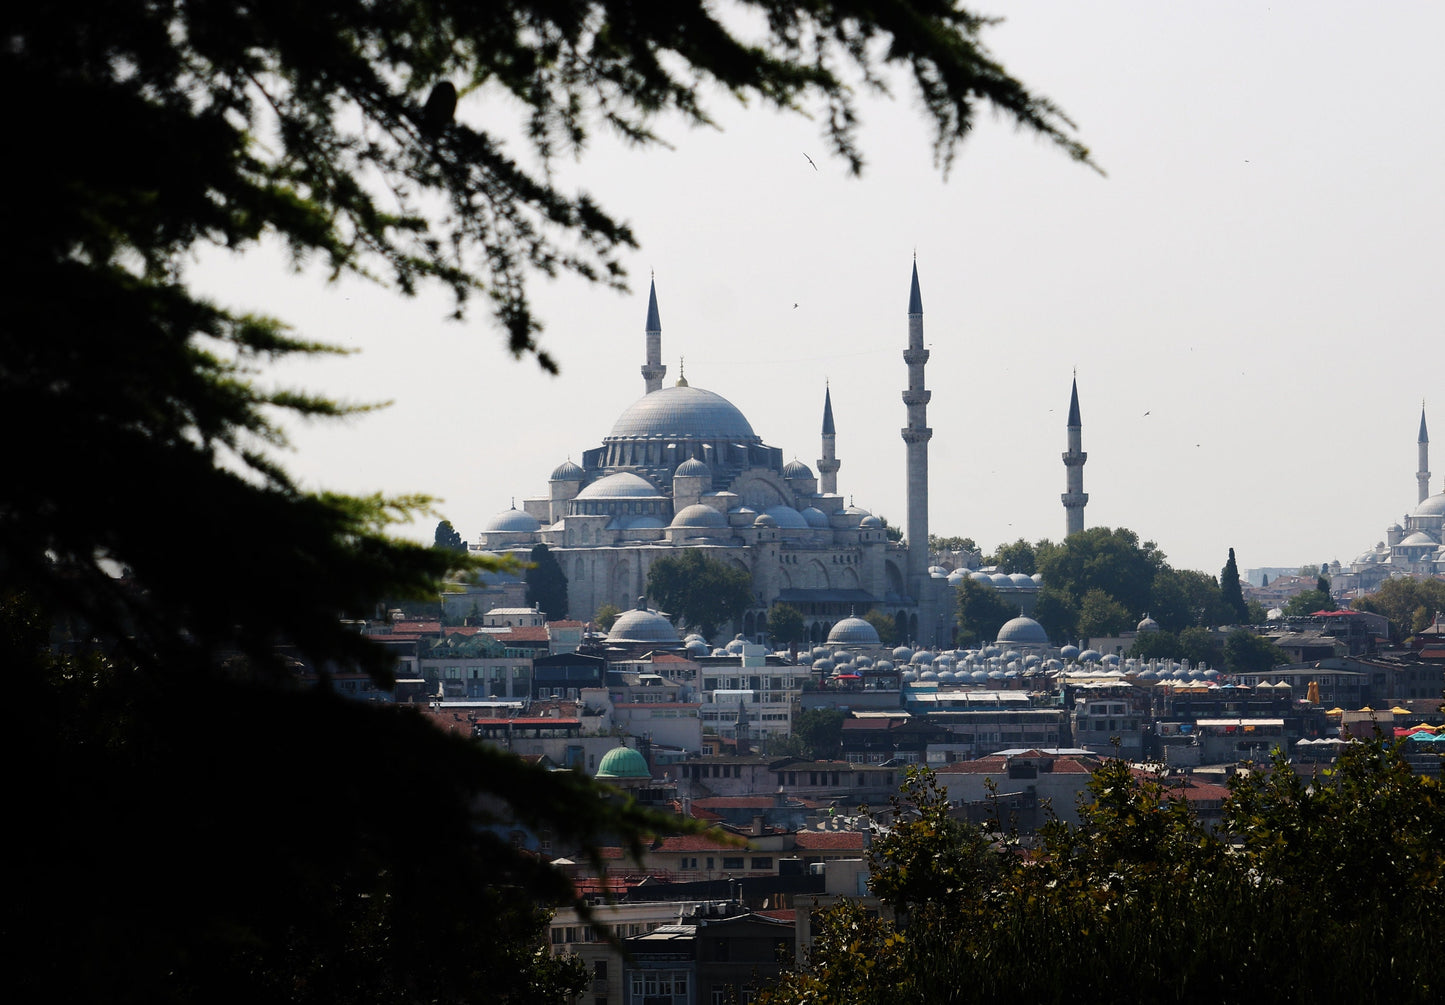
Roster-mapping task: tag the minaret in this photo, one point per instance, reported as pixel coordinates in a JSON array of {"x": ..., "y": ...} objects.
[
  {"x": 917, "y": 435},
  {"x": 1075, "y": 498},
  {"x": 1423, "y": 475},
  {"x": 653, "y": 370},
  {"x": 828, "y": 464}
]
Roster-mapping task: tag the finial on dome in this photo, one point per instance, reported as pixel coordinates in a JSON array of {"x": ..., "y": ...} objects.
[{"x": 681, "y": 371}]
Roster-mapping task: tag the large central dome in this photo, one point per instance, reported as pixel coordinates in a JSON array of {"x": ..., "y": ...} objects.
[{"x": 684, "y": 412}]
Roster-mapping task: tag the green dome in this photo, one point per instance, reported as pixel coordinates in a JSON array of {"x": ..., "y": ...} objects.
[{"x": 623, "y": 762}]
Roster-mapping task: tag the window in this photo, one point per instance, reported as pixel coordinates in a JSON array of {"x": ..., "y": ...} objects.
[
  {"x": 599, "y": 969},
  {"x": 733, "y": 863},
  {"x": 763, "y": 862}
]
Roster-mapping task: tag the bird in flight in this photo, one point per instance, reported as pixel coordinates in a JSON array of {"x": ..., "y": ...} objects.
[
  {"x": 795, "y": 307},
  {"x": 810, "y": 161}
]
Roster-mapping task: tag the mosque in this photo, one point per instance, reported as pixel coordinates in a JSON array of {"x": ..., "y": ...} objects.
[
  {"x": 1415, "y": 547},
  {"x": 683, "y": 468}
]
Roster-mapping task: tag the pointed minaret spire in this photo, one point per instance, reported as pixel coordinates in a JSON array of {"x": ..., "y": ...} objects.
[
  {"x": 1074, "y": 498},
  {"x": 1422, "y": 476},
  {"x": 828, "y": 464},
  {"x": 916, "y": 435},
  {"x": 652, "y": 369}
]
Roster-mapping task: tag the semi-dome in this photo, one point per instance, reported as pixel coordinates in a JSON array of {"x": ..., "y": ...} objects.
[
  {"x": 688, "y": 412},
  {"x": 619, "y": 485},
  {"x": 797, "y": 469},
  {"x": 787, "y": 517},
  {"x": 693, "y": 468},
  {"x": 1419, "y": 539},
  {"x": 568, "y": 471},
  {"x": 623, "y": 762},
  {"x": 642, "y": 625},
  {"x": 853, "y": 632},
  {"x": 698, "y": 515},
  {"x": 815, "y": 517},
  {"x": 512, "y": 521},
  {"x": 1023, "y": 631}
]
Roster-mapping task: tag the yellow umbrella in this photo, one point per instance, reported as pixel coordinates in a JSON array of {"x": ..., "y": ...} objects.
[
  {"x": 1397, "y": 710},
  {"x": 1335, "y": 711},
  {"x": 1367, "y": 708}
]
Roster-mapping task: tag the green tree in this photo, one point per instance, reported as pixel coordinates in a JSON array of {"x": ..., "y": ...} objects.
[
  {"x": 1017, "y": 557},
  {"x": 1200, "y": 645},
  {"x": 605, "y": 616},
  {"x": 951, "y": 543},
  {"x": 785, "y": 624},
  {"x": 891, "y": 532},
  {"x": 1160, "y": 645},
  {"x": 1181, "y": 598},
  {"x": 820, "y": 732},
  {"x": 447, "y": 538},
  {"x": 1111, "y": 560},
  {"x": 701, "y": 591},
  {"x": 884, "y": 624},
  {"x": 1101, "y": 615},
  {"x": 546, "y": 583},
  {"x": 1246, "y": 652},
  {"x": 1142, "y": 903},
  {"x": 1230, "y": 590},
  {"x": 1408, "y": 604},
  {"x": 1307, "y": 602},
  {"x": 981, "y": 612}
]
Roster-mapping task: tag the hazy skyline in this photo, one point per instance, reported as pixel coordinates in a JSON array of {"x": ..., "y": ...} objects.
[{"x": 1252, "y": 296}]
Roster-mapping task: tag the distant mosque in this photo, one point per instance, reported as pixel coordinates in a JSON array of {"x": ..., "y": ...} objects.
[
  {"x": 683, "y": 468},
  {"x": 1415, "y": 547}
]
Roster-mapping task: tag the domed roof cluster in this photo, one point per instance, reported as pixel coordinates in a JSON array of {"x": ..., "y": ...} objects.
[{"x": 689, "y": 412}]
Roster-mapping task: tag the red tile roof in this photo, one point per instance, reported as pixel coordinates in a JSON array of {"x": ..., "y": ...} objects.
[
  {"x": 692, "y": 842},
  {"x": 830, "y": 840}
]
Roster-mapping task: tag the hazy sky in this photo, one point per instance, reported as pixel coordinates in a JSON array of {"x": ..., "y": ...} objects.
[{"x": 1253, "y": 296}]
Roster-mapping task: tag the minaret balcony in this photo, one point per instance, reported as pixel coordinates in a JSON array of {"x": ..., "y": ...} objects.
[
  {"x": 915, "y": 357},
  {"x": 1072, "y": 460},
  {"x": 917, "y": 397},
  {"x": 911, "y": 435}
]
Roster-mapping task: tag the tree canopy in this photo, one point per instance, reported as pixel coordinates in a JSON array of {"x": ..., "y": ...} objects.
[
  {"x": 1142, "y": 902},
  {"x": 980, "y": 611},
  {"x": 546, "y": 583},
  {"x": 701, "y": 591},
  {"x": 785, "y": 624},
  {"x": 1409, "y": 604},
  {"x": 447, "y": 538},
  {"x": 1231, "y": 590}
]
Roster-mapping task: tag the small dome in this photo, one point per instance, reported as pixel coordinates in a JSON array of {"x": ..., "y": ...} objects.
[
  {"x": 903, "y": 654},
  {"x": 981, "y": 577},
  {"x": 871, "y": 522},
  {"x": 815, "y": 517},
  {"x": 1147, "y": 625},
  {"x": 693, "y": 468},
  {"x": 620, "y": 485},
  {"x": 1069, "y": 652},
  {"x": 736, "y": 645},
  {"x": 1022, "y": 582},
  {"x": 1419, "y": 538},
  {"x": 765, "y": 520},
  {"x": 1023, "y": 631},
  {"x": 797, "y": 469},
  {"x": 698, "y": 515},
  {"x": 1089, "y": 656},
  {"x": 853, "y": 632},
  {"x": 567, "y": 471},
  {"x": 513, "y": 521},
  {"x": 623, "y": 762},
  {"x": 642, "y": 625}
]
